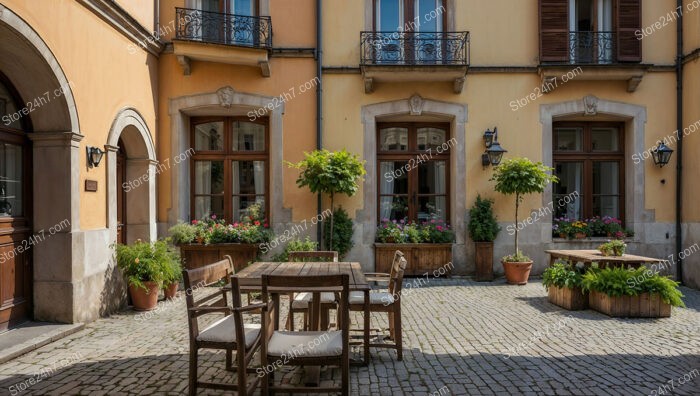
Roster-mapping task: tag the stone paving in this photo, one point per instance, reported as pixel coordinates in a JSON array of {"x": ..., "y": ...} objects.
[{"x": 461, "y": 338}]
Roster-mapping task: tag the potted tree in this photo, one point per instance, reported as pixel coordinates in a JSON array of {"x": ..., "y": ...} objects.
[
  {"x": 520, "y": 176},
  {"x": 330, "y": 172},
  {"x": 144, "y": 265},
  {"x": 483, "y": 229}
]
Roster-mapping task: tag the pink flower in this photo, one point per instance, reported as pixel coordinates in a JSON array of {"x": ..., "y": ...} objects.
[
  {"x": 257, "y": 223},
  {"x": 213, "y": 217},
  {"x": 194, "y": 222},
  {"x": 439, "y": 228}
]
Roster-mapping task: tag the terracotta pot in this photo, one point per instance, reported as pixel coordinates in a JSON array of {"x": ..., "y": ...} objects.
[
  {"x": 144, "y": 300},
  {"x": 562, "y": 235},
  {"x": 517, "y": 273},
  {"x": 170, "y": 291},
  {"x": 580, "y": 235}
]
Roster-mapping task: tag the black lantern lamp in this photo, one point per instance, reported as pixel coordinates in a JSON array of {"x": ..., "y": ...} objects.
[
  {"x": 661, "y": 154},
  {"x": 494, "y": 152},
  {"x": 94, "y": 156}
]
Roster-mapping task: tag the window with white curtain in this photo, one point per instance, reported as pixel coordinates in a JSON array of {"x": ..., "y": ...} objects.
[
  {"x": 230, "y": 168},
  {"x": 589, "y": 162},
  {"x": 413, "y": 171}
]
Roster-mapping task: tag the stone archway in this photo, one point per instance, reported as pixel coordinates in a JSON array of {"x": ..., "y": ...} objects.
[
  {"x": 59, "y": 261},
  {"x": 140, "y": 185}
]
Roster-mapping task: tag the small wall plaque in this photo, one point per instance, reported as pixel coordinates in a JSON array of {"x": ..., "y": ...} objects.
[{"x": 91, "y": 185}]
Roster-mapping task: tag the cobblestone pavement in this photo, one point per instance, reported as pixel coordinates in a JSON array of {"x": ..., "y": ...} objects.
[{"x": 461, "y": 337}]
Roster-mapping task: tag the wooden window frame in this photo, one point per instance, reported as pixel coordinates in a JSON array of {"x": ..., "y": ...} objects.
[
  {"x": 587, "y": 156},
  {"x": 409, "y": 9},
  {"x": 228, "y": 156},
  {"x": 413, "y": 153}
]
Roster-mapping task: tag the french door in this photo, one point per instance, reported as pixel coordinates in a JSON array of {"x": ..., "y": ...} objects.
[
  {"x": 416, "y": 26},
  {"x": 234, "y": 28},
  {"x": 414, "y": 166},
  {"x": 591, "y": 31}
]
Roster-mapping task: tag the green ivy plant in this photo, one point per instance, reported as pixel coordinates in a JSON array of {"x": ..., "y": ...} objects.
[
  {"x": 519, "y": 177},
  {"x": 482, "y": 222},
  {"x": 618, "y": 282},
  {"x": 563, "y": 275},
  {"x": 326, "y": 172}
]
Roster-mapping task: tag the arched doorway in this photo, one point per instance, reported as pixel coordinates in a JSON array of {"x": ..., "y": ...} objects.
[
  {"x": 131, "y": 173},
  {"x": 15, "y": 210}
]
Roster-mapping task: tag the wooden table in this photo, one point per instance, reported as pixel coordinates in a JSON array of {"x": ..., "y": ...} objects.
[
  {"x": 250, "y": 279},
  {"x": 589, "y": 256}
]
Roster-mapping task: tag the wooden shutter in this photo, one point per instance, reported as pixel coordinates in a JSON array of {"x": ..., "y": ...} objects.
[
  {"x": 554, "y": 30},
  {"x": 628, "y": 18}
]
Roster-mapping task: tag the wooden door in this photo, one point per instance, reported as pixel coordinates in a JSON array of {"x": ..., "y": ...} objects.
[
  {"x": 16, "y": 239},
  {"x": 121, "y": 194}
]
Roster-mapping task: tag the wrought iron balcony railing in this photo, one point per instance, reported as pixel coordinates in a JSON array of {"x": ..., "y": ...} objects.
[
  {"x": 221, "y": 28},
  {"x": 414, "y": 48},
  {"x": 592, "y": 47}
]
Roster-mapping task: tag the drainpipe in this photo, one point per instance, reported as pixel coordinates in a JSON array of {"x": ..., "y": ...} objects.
[
  {"x": 679, "y": 128},
  {"x": 319, "y": 102}
]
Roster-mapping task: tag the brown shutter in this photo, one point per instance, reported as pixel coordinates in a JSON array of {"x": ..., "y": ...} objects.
[
  {"x": 628, "y": 20},
  {"x": 554, "y": 30}
]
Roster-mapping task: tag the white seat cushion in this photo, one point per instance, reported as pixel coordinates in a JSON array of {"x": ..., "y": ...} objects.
[
  {"x": 378, "y": 298},
  {"x": 224, "y": 330},
  {"x": 306, "y": 343},
  {"x": 302, "y": 300}
]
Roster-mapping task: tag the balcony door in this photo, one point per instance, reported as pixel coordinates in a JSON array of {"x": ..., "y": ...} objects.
[
  {"x": 228, "y": 21},
  {"x": 410, "y": 31},
  {"x": 591, "y": 28}
]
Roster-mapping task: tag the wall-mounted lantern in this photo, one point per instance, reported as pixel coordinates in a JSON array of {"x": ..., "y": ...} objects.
[
  {"x": 661, "y": 154},
  {"x": 494, "y": 151},
  {"x": 94, "y": 156}
]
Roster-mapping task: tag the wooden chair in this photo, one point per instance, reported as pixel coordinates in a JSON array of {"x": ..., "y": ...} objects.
[
  {"x": 228, "y": 333},
  {"x": 389, "y": 302},
  {"x": 299, "y": 302},
  {"x": 304, "y": 348}
]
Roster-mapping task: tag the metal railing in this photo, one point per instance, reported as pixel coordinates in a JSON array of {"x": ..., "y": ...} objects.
[
  {"x": 414, "y": 48},
  {"x": 221, "y": 28},
  {"x": 593, "y": 47}
]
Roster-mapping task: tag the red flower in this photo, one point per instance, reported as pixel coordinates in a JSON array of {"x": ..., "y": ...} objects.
[
  {"x": 194, "y": 222},
  {"x": 439, "y": 228},
  {"x": 257, "y": 223},
  {"x": 266, "y": 225}
]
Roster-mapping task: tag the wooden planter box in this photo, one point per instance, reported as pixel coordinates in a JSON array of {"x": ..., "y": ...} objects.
[
  {"x": 433, "y": 258},
  {"x": 642, "y": 306},
  {"x": 572, "y": 299},
  {"x": 196, "y": 255},
  {"x": 484, "y": 261}
]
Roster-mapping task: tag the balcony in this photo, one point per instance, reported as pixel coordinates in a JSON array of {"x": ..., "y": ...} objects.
[
  {"x": 596, "y": 53},
  {"x": 223, "y": 38},
  {"x": 414, "y": 57}
]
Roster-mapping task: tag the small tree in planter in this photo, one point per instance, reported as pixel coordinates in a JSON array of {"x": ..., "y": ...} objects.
[
  {"x": 330, "y": 173},
  {"x": 483, "y": 229},
  {"x": 520, "y": 176}
]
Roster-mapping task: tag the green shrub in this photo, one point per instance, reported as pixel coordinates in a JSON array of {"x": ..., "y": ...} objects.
[
  {"x": 342, "y": 232},
  {"x": 632, "y": 282},
  {"x": 147, "y": 262},
  {"x": 182, "y": 233},
  {"x": 562, "y": 274},
  {"x": 482, "y": 222},
  {"x": 296, "y": 245}
]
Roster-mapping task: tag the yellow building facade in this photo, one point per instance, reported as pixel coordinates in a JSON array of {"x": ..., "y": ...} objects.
[{"x": 197, "y": 104}]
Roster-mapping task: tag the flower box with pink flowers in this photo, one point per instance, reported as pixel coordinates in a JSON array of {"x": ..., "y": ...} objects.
[
  {"x": 427, "y": 246},
  {"x": 209, "y": 240}
]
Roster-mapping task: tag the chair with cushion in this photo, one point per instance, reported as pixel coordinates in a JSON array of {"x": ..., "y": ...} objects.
[
  {"x": 299, "y": 302},
  {"x": 304, "y": 348},
  {"x": 389, "y": 302},
  {"x": 229, "y": 333}
]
